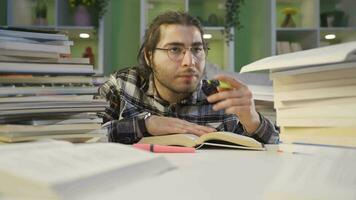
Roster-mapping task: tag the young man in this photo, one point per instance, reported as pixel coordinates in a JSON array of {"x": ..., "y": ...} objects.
[{"x": 163, "y": 94}]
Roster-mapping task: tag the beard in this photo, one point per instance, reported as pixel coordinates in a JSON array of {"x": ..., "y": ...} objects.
[{"x": 169, "y": 84}]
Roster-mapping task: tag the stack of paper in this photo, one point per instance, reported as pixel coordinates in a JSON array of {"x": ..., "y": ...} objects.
[
  {"x": 315, "y": 94},
  {"x": 61, "y": 170},
  {"x": 44, "y": 93}
]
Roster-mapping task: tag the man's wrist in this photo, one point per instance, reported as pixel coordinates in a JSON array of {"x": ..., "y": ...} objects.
[
  {"x": 252, "y": 124},
  {"x": 143, "y": 126}
]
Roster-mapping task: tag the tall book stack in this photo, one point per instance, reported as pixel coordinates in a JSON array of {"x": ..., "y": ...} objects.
[
  {"x": 44, "y": 93},
  {"x": 315, "y": 94}
]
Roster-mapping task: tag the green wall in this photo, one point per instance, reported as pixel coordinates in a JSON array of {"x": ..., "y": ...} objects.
[
  {"x": 122, "y": 34},
  {"x": 208, "y": 8},
  {"x": 253, "y": 41},
  {"x": 163, "y": 6},
  {"x": 124, "y": 37},
  {"x": 3, "y": 12}
]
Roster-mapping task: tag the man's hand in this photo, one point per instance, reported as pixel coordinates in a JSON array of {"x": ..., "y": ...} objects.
[
  {"x": 237, "y": 101},
  {"x": 157, "y": 125}
]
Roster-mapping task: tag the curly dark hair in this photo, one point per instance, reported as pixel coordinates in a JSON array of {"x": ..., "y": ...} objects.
[{"x": 152, "y": 34}]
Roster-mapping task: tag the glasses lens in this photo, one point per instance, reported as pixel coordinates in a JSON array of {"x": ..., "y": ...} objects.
[
  {"x": 177, "y": 53},
  {"x": 198, "y": 52}
]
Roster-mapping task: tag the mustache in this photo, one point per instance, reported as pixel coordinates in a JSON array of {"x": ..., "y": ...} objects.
[{"x": 189, "y": 72}]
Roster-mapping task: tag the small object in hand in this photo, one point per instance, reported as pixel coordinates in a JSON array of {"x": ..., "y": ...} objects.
[{"x": 210, "y": 87}]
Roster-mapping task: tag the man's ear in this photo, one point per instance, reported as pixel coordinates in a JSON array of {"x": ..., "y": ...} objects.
[{"x": 147, "y": 55}]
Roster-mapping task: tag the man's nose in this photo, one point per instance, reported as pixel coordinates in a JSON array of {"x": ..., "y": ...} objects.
[{"x": 188, "y": 59}]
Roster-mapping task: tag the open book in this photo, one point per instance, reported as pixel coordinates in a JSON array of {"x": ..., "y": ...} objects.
[
  {"x": 217, "y": 139},
  {"x": 61, "y": 170},
  {"x": 339, "y": 53}
]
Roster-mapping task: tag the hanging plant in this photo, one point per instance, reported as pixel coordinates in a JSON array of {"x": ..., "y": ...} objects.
[{"x": 232, "y": 8}]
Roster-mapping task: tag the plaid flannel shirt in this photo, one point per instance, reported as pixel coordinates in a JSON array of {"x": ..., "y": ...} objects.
[{"x": 132, "y": 95}]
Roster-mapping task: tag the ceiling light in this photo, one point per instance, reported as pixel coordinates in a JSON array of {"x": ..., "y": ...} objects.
[
  {"x": 207, "y": 36},
  {"x": 330, "y": 36},
  {"x": 84, "y": 35}
]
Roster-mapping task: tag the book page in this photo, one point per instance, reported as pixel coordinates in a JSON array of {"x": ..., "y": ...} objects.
[
  {"x": 38, "y": 145},
  {"x": 232, "y": 138},
  {"x": 325, "y": 175},
  {"x": 317, "y": 56},
  {"x": 188, "y": 140},
  {"x": 68, "y": 163}
]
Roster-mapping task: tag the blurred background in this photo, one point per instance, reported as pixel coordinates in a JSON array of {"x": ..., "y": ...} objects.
[{"x": 109, "y": 32}]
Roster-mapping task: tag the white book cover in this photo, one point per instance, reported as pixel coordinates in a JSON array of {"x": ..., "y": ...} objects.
[
  {"x": 317, "y": 56},
  {"x": 329, "y": 111},
  {"x": 316, "y": 93},
  {"x": 10, "y": 91},
  {"x": 315, "y": 102},
  {"x": 33, "y": 35},
  {"x": 47, "y": 98},
  {"x": 11, "y": 79},
  {"x": 46, "y": 68},
  {"x": 65, "y": 49},
  {"x": 29, "y": 53}
]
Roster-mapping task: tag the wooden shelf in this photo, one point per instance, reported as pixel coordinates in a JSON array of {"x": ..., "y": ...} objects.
[{"x": 308, "y": 31}]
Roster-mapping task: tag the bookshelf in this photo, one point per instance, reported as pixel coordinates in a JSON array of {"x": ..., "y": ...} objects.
[
  {"x": 59, "y": 16},
  {"x": 314, "y": 20},
  {"x": 211, "y": 14}
]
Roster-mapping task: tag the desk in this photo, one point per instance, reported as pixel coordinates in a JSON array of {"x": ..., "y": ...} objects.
[
  {"x": 210, "y": 174},
  {"x": 219, "y": 174},
  {"x": 241, "y": 174}
]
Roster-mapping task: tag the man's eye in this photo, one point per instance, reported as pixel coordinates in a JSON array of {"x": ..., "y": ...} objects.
[
  {"x": 176, "y": 50},
  {"x": 197, "y": 49}
]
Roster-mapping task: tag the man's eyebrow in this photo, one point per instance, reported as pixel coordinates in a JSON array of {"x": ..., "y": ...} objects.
[
  {"x": 197, "y": 44},
  {"x": 174, "y": 44},
  {"x": 181, "y": 44}
]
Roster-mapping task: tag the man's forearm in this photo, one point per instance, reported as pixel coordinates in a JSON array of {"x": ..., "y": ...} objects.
[
  {"x": 266, "y": 132},
  {"x": 127, "y": 131}
]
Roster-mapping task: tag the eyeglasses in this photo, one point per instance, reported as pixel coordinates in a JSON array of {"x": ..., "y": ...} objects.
[{"x": 176, "y": 53}]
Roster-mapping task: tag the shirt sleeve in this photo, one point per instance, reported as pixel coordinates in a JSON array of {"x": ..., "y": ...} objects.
[
  {"x": 124, "y": 130},
  {"x": 266, "y": 133},
  {"x": 127, "y": 131}
]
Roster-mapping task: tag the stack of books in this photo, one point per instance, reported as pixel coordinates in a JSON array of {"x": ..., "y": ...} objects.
[
  {"x": 44, "y": 93},
  {"x": 315, "y": 94}
]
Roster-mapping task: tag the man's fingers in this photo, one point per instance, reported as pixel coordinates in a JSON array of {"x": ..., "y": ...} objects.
[
  {"x": 230, "y": 80},
  {"x": 237, "y": 110},
  {"x": 231, "y": 102},
  {"x": 205, "y": 129},
  {"x": 188, "y": 127},
  {"x": 225, "y": 95}
]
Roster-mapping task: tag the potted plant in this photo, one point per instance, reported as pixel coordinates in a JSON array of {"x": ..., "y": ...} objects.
[
  {"x": 288, "y": 19},
  {"x": 41, "y": 12},
  {"x": 88, "y": 12},
  {"x": 232, "y": 8}
]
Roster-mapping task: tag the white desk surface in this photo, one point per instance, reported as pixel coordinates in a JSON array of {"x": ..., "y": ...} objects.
[
  {"x": 211, "y": 174},
  {"x": 233, "y": 174},
  {"x": 313, "y": 173}
]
